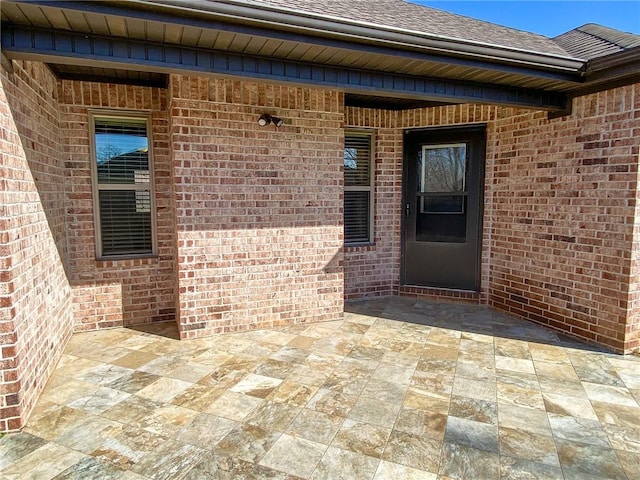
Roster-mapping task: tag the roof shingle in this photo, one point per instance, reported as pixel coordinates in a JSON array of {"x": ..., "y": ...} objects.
[
  {"x": 418, "y": 18},
  {"x": 593, "y": 41}
]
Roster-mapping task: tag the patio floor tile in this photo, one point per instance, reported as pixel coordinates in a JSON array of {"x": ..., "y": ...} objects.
[
  {"x": 16, "y": 446},
  {"x": 400, "y": 389},
  {"x": 462, "y": 461},
  {"x": 273, "y": 416},
  {"x": 523, "y": 445},
  {"x": 247, "y": 442},
  {"x": 316, "y": 426},
  {"x": 630, "y": 463},
  {"x": 517, "y": 469},
  {"x": 205, "y": 430},
  {"x": 45, "y": 462},
  {"x": 480, "y": 436},
  {"x": 473, "y": 409},
  {"x": 293, "y": 455},
  {"x": 619, "y": 415},
  {"x": 90, "y": 468},
  {"x": 387, "y": 470},
  {"x": 422, "y": 453},
  {"x": 362, "y": 438},
  {"x": 338, "y": 463},
  {"x": 580, "y": 460}
]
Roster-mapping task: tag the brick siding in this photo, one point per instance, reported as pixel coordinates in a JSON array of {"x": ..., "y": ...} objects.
[
  {"x": 36, "y": 318},
  {"x": 564, "y": 197},
  {"x": 108, "y": 293},
  {"x": 259, "y": 209}
]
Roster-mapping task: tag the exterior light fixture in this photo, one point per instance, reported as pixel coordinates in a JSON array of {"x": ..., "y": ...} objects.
[{"x": 266, "y": 119}]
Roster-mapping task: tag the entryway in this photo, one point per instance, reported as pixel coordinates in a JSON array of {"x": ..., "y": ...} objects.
[{"x": 443, "y": 193}]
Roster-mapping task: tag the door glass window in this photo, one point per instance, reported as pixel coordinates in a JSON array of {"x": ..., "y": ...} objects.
[
  {"x": 442, "y": 197},
  {"x": 443, "y": 168}
]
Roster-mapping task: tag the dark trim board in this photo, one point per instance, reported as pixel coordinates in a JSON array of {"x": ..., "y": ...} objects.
[
  {"x": 6, "y": 63},
  {"x": 63, "y": 47},
  {"x": 86, "y": 74}
]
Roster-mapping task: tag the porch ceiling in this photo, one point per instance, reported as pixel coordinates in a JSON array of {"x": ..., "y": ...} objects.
[{"x": 484, "y": 77}]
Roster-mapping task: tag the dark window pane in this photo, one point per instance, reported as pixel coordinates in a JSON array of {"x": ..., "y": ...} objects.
[
  {"x": 356, "y": 217},
  {"x": 122, "y": 151},
  {"x": 442, "y": 168},
  {"x": 440, "y": 226},
  {"x": 357, "y": 161},
  {"x": 442, "y": 204},
  {"x": 125, "y": 222}
]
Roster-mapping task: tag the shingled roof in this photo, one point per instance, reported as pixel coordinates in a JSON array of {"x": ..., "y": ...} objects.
[
  {"x": 408, "y": 16},
  {"x": 592, "y": 41}
]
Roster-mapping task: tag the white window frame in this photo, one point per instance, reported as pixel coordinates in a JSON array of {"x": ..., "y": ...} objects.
[
  {"x": 370, "y": 188},
  {"x": 139, "y": 187}
]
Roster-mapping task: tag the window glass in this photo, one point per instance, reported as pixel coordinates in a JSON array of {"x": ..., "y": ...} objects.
[
  {"x": 124, "y": 192},
  {"x": 357, "y": 161},
  {"x": 122, "y": 150},
  {"x": 356, "y": 216},
  {"x": 443, "y": 168},
  {"x": 358, "y": 188}
]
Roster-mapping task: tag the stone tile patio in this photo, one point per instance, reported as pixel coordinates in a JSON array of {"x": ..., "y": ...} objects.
[{"x": 401, "y": 389}]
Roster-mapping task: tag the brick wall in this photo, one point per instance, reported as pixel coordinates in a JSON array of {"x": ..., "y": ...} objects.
[
  {"x": 109, "y": 293},
  {"x": 560, "y": 207},
  {"x": 632, "y": 328},
  {"x": 370, "y": 270},
  {"x": 36, "y": 318},
  {"x": 564, "y": 213},
  {"x": 259, "y": 209}
]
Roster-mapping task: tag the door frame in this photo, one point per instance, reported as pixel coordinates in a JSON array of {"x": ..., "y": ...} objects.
[{"x": 479, "y": 129}]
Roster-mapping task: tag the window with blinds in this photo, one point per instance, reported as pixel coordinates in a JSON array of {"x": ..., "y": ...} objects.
[
  {"x": 358, "y": 188},
  {"x": 123, "y": 187}
]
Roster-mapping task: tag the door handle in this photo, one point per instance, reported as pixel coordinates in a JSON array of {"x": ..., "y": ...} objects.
[{"x": 407, "y": 209}]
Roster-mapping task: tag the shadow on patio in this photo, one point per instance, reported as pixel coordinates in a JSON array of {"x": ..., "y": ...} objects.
[
  {"x": 401, "y": 389},
  {"x": 463, "y": 318}
]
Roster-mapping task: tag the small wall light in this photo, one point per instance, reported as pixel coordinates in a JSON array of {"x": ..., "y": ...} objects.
[{"x": 266, "y": 119}]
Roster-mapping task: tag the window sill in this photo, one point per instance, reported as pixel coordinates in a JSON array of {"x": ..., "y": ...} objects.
[
  {"x": 118, "y": 258},
  {"x": 363, "y": 247}
]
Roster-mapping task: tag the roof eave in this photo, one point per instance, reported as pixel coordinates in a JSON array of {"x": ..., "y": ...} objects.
[
  {"x": 610, "y": 71},
  {"x": 613, "y": 60},
  {"x": 243, "y": 11}
]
